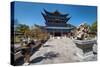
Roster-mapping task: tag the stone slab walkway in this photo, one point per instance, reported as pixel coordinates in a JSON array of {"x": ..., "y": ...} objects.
[{"x": 60, "y": 50}]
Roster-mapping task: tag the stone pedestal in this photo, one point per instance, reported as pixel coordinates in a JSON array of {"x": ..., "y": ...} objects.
[{"x": 87, "y": 47}]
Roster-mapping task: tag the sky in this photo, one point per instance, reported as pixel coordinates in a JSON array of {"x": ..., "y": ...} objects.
[{"x": 29, "y": 13}]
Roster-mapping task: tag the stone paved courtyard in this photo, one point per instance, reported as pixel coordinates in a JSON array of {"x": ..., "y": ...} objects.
[{"x": 59, "y": 50}]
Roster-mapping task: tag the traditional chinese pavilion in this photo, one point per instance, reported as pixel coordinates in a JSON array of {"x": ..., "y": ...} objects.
[{"x": 56, "y": 23}]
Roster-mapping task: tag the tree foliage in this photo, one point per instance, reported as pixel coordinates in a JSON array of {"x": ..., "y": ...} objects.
[
  {"x": 86, "y": 25},
  {"x": 38, "y": 33},
  {"x": 94, "y": 27},
  {"x": 22, "y": 28}
]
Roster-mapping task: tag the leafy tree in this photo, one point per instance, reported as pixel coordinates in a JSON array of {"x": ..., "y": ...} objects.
[
  {"x": 86, "y": 25},
  {"x": 38, "y": 33},
  {"x": 94, "y": 27},
  {"x": 22, "y": 28}
]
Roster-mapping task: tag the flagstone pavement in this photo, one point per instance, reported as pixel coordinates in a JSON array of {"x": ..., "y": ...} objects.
[{"x": 59, "y": 50}]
